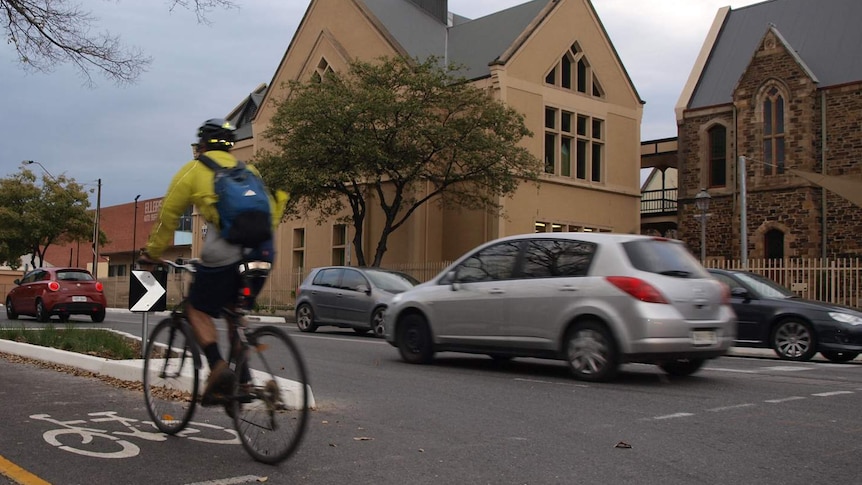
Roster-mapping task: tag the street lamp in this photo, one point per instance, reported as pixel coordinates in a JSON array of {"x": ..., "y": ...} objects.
[
  {"x": 701, "y": 201},
  {"x": 31, "y": 162},
  {"x": 135, "y": 232}
]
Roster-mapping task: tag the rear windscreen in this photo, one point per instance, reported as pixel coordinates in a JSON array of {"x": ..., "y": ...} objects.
[{"x": 663, "y": 256}]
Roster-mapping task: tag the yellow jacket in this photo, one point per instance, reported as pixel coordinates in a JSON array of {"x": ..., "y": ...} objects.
[{"x": 193, "y": 184}]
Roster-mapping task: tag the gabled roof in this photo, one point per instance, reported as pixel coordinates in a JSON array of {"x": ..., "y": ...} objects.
[
  {"x": 244, "y": 112},
  {"x": 473, "y": 44},
  {"x": 825, "y": 35}
]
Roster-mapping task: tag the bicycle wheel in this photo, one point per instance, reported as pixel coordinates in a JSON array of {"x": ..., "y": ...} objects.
[
  {"x": 271, "y": 411},
  {"x": 171, "y": 378}
]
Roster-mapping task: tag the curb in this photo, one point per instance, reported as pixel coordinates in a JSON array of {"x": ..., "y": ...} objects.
[{"x": 251, "y": 318}]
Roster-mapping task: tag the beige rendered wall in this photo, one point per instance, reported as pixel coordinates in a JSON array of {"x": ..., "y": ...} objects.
[{"x": 339, "y": 30}]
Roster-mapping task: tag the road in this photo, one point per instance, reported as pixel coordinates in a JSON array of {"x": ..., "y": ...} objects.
[{"x": 465, "y": 419}]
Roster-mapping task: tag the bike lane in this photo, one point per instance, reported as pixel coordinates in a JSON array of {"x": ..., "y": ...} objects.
[{"x": 62, "y": 428}]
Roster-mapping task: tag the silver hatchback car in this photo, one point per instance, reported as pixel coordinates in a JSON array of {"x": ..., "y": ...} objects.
[{"x": 595, "y": 300}]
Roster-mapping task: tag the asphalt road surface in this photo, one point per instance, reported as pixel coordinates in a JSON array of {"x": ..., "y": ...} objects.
[{"x": 465, "y": 419}]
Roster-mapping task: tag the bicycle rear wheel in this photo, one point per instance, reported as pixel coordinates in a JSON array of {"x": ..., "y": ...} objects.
[
  {"x": 271, "y": 411},
  {"x": 171, "y": 378}
]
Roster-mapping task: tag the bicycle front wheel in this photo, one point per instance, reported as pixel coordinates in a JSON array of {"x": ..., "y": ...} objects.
[
  {"x": 271, "y": 409},
  {"x": 171, "y": 378}
]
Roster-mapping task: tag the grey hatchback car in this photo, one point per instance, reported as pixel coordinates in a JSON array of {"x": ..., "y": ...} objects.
[
  {"x": 594, "y": 300},
  {"x": 348, "y": 297}
]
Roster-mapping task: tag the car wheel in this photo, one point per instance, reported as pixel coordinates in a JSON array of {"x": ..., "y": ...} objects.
[
  {"x": 839, "y": 357},
  {"x": 793, "y": 339},
  {"x": 10, "y": 311},
  {"x": 377, "y": 320},
  {"x": 682, "y": 367},
  {"x": 305, "y": 318},
  {"x": 98, "y": 317},
  {"x": 591, "y": 352},
  {"x": 41, "y": 313},
  {"x": 414, "y": 340}
]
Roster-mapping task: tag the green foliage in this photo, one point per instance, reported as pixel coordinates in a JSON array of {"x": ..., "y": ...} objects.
[
  {"x": 32, "y": 217},
  {"x": 102, "y": 343},
  {"x": 398, "y": 133}
]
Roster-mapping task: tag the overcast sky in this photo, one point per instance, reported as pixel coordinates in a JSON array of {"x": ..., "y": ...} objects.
[{"x": 135, "y": 137}]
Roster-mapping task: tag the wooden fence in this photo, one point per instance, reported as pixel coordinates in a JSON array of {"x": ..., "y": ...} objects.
[{"x": 833, "y": 280}]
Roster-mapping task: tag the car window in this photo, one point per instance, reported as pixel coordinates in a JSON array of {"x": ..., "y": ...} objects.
[
  {"x": 391, "y": 282},
  {"x": 727, "y": 280},
  {"x": 74, "y": 276},
  {"x": 352, "y": 280},
  {"x": 28, "y": 278},
  {"x": 328, "y": 277},
  {"x": 663, "y": 256},
  {"x": 495, "y": 262},
  {"x": 764, "y": 286},
  {"x": 549, "y": 258}
]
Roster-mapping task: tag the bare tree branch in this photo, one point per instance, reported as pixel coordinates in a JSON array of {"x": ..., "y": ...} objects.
[{"x": 47, "y": 33}]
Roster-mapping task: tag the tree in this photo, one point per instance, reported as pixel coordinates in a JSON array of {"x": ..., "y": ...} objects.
[
  {"x": 45, "y": 33},
  {"x": 401, "y": 132},
  {"x": 33, "y": 217}
]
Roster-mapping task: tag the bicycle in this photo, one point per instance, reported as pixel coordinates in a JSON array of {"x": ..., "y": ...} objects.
[{"x": 269, "y": 400}]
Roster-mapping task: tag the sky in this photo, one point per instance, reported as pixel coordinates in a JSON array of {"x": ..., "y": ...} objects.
[{"x": 130, "y": 140}]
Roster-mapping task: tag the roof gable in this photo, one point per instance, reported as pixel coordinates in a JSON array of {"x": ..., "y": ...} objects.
[{"x": 823, "y": 35}]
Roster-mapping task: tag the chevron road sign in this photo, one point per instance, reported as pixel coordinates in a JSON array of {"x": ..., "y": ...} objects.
[{"x": 147, "y": 291}]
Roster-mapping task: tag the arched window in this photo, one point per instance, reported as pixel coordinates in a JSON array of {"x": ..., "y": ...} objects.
[
  {"x": 773, "y": 244},
  {"x": 773, "y": 132},
  {"x": 717, "y": 156}
]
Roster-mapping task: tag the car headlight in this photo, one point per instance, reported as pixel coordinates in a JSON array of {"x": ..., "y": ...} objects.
[
  {"x": 396, "y": 298},
  {"x": 846, "y": 318}
]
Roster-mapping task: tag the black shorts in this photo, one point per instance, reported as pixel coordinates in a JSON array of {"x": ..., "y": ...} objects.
[{"x": 214, "y": 289}]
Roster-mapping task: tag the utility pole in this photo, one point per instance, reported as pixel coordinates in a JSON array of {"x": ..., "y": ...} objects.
[{"x": 96, "y": 231}]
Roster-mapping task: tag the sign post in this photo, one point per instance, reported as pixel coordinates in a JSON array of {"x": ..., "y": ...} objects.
[{"x": 147, "y": 294}]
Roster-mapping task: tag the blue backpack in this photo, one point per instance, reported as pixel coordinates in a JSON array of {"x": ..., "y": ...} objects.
[{"x": 243, "y": 204}]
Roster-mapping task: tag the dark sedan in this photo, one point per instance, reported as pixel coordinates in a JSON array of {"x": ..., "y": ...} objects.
[{"x": 771, "y": 316}]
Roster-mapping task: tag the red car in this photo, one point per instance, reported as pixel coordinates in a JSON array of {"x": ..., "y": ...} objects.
[{"x": 44, "y": 292}]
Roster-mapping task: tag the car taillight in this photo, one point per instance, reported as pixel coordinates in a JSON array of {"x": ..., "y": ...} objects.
[
  {"x": 637, "y": 288},
  {"x": 53, "y": 286},
  {"x": 99, "y": 286}
]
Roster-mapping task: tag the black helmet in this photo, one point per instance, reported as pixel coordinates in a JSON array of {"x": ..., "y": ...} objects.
[{"x": 217, "y": 133}]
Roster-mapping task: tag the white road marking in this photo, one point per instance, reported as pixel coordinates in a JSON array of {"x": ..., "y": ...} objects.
[
  {"x": 539, "y": 381},
  {"x": 833, "y": 393},
  {"x": 232, "y": 481},
  {"x": 739, "y": 371},
  {"x": 785, "y": 399},
  {"x": 673, "y": 416},
  {"x": 728, "y": 408}
]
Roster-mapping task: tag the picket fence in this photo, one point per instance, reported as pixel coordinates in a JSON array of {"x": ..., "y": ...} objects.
[{"x": 833, "y": 280}]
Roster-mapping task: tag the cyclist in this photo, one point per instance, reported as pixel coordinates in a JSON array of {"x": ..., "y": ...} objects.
[{"x": 217, "y": 280}]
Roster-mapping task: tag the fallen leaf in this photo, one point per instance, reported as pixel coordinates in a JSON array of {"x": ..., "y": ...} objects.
[
  {"x": 363, "y": 438},
  {"x": 622, "y": 444}
]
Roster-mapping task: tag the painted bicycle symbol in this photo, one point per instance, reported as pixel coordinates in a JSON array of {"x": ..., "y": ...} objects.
[{"x": 105, "y": 443}]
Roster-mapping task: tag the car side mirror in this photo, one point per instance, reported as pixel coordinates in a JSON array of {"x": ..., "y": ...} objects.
[
  {"x": 363, "y": 289},
  {"x": 452, "y": 279},
  {"x": 740, "y": 292},
  {"x": 17, "y": 281}
]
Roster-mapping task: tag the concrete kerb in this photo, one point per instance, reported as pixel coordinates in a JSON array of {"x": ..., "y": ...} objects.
[{"x": 126, "y": 370}]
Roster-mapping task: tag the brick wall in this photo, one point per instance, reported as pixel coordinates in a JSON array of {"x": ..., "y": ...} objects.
[{"x": 783, "y": 202}]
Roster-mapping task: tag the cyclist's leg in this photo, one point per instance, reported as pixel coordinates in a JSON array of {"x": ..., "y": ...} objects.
[
  {"x": 272, "y": 415},
  {"x": 213, "y": 288}
]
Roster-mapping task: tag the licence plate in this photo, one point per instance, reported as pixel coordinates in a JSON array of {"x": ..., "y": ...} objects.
[
  {"x": 79, "y": 298},
  {"x": 703, "y": 337}
]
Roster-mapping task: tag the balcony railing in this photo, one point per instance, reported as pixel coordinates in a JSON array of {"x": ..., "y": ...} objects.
[{"x": 661, "y": 201}]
